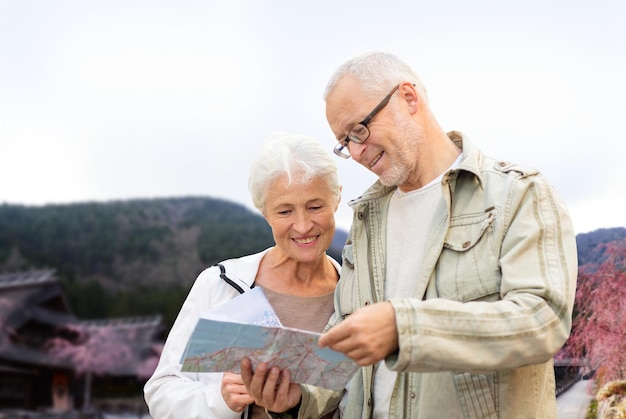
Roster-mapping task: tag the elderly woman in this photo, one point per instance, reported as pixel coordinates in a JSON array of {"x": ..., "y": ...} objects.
[{"x": 294, "y": 184}]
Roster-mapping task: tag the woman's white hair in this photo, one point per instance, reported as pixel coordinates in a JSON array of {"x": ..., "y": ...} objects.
[
  {"x": 378, "y": 72},
  {"x": 296, "y": 156}
]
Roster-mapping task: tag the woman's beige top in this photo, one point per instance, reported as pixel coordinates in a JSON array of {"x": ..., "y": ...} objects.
[{"x": 306, "y": 313}]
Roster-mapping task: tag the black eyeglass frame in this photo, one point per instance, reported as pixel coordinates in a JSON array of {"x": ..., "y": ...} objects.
[{"x": 338, "y": 149}]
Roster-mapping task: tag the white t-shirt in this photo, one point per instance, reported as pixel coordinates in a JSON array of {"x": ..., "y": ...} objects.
[{"x": 411, "y": 217}]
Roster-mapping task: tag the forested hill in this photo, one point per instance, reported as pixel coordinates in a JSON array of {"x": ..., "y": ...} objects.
[
  {"x": 589, "y": 244},
  {"x": 145, "y": 253},
  {"x": 141, "y": 256},
  {"x": 129, "y": 243}
]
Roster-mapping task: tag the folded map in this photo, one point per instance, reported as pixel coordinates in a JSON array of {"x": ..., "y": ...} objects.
[{"x": 246, "y": 326}]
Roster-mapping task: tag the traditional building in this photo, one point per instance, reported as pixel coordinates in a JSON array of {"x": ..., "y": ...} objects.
[{"x": 45, "y": 351}]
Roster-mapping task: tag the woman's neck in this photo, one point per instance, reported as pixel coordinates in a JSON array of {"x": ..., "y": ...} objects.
[{"x": 284, "y": 274}]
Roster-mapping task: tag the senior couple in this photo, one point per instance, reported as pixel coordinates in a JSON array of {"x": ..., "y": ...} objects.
[{"x": 456, "y": 284}]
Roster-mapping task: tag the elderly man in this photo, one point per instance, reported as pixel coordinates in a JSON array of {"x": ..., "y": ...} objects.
[{"x": 459, "y": 273}]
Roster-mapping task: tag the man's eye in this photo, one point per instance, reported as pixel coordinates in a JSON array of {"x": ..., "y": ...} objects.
[
  {"x": 358, "y": 133},
  {"x": 359, "y": 130}
]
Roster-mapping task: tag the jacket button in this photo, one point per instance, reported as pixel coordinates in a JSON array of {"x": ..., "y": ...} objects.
[
  {"x": 369, "y": 402},
  {"x": 466, "y": 244}
]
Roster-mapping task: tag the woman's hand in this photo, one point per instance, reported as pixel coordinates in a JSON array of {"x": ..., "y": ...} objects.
[
  {"x": 271, "y": 389},
  {"x": 234, "y": 392}
]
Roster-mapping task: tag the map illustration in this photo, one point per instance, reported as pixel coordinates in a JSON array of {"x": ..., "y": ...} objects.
[{"x": 218, "y": 345}]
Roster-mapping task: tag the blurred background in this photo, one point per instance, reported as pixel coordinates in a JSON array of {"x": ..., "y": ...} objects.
[{"x": 127, "y": 129}]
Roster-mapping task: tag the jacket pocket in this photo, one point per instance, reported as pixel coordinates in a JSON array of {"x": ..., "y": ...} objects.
[
  {"x": 468, "y": 268},
  {"x": 476, "y": 394}
]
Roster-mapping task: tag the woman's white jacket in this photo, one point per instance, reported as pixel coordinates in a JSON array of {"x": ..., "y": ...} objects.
[{"x": 171, "y": 393}]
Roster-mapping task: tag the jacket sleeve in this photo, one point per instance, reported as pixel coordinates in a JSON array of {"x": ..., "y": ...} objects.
[
  {"x": 519, "y": 311},
  {"x": 316, "y": 402},
  {"x": 171, "y": 393}
]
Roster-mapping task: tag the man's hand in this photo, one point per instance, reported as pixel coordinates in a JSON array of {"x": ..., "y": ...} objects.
[
  {"x": 271, "y": 389},
  {"x": 234, "y": 392},
  {"x": 367, "y": 336}
]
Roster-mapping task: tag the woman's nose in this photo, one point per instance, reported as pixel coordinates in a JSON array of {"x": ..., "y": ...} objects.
[{"x": 303, "y": 222}]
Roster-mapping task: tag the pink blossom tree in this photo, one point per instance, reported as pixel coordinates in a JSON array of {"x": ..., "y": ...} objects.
[
  {"x": 93, "y": 350},
  {"x": 598, "y": 333},
  {"x": 146, "y": 368}
]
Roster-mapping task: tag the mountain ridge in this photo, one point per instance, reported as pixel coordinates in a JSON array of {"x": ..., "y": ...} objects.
[{"x": 128, "y": 257}]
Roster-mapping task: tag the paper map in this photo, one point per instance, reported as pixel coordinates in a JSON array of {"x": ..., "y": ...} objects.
[{"x": 218, "y": 345}]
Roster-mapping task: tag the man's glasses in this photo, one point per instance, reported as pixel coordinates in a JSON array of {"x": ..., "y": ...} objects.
[{"x": 360, "y": 133}]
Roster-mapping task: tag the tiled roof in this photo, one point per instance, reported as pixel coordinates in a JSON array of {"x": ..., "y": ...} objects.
[
  {"x": 123, "y": 322},
  {"x": 32, "y": 277}
]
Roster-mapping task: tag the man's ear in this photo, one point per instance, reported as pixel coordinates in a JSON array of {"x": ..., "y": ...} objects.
[
  {"x": 338, "y": 198},
  {"x": 410, "y": 95}
]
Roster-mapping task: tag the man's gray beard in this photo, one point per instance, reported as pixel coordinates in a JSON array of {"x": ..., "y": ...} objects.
[
  {"x": 398, "y": 172},
  {"x": 396, "y": 175}
]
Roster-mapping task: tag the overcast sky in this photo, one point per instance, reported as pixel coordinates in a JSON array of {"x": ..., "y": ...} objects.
[{"x": 107, "y": 100}]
